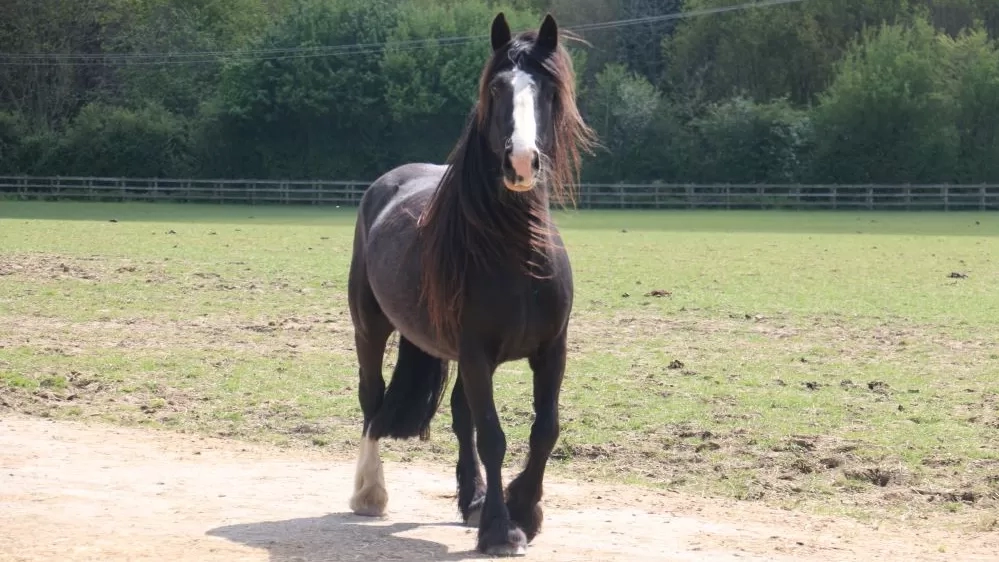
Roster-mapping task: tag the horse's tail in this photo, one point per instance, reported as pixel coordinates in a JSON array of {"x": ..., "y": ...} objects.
[{"x": 413, "y": 395}]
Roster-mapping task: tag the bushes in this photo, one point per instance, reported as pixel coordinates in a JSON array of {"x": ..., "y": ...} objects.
[
  {"x": 115, "y": 141},
  {"x": 637, "y": 129},
  {"x": 743, "y": 141},
  {"x": 911, "y": 105}
]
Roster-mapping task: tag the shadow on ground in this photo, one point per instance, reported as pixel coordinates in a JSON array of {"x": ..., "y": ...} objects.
[{"x": 340, "y": 537}]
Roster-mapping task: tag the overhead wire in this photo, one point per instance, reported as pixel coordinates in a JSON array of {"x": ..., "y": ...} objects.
[{"x": 290, "y": 53}]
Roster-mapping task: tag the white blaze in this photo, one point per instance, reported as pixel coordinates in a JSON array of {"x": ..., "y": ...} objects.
[{"x": 525, "y": 127}]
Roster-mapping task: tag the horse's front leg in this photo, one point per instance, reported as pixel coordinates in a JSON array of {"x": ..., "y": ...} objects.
[
  {"x": 471, "y": 488},
  {"x": 498, "y": 536},
  {"x": 524, "y": 493}
]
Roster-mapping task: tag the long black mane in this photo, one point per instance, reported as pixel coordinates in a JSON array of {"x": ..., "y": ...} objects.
[{"x": 471, "y": 220}]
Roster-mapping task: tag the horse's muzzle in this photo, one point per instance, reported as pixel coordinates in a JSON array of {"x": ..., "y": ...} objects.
[{"x": 520, "y": 169}]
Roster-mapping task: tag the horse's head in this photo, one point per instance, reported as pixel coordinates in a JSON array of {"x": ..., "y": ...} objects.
[{"x": 527, "y": 107}]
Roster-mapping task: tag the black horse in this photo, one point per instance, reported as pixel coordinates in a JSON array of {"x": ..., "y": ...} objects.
[{"x": 464, "y": 262}]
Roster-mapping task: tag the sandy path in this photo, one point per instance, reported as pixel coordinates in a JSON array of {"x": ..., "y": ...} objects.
[{"x": 92, "y": 492}]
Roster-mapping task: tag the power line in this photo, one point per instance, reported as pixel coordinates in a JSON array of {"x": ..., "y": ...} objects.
[
  {"x": 200, "y": 57},
  {"x": 683, "y": 15}
]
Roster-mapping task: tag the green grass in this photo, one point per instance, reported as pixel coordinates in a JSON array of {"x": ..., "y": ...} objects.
[{"x": 817, "y": 360}]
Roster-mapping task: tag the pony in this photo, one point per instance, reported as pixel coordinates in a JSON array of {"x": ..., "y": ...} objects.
[{"x": 463, "y": 260}]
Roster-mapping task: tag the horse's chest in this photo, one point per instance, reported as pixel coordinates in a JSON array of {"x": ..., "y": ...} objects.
[{"x": 518, "y": 318}]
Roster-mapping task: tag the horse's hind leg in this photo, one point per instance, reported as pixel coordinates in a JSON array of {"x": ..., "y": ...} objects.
[
  {"x": 371, "y": 332},
  {"x": 471, "y": 488},
  {"x": 370, "y": 496},
  {"x": 524, "y": 493}
]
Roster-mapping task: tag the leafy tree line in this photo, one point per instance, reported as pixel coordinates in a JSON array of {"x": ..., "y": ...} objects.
[{"x": 820, "y": 91}]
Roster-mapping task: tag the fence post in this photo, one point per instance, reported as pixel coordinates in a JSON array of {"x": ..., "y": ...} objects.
[
  {"x": 834, "y": 194},
  {"x": 908, "y": 197},
  {"x": 945, "y": 192},
  {"x": 981, "y": 197},
  {"x": 870, "y": 198}
]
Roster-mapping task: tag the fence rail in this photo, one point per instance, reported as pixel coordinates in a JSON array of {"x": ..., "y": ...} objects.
[{"x": 947, "y": 197}]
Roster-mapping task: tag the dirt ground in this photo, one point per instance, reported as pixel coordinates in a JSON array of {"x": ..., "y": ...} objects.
[{"x": 88, "y": 492}]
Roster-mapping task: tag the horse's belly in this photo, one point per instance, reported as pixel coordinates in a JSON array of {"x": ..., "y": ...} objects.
[{"x": 393, "y": 266}]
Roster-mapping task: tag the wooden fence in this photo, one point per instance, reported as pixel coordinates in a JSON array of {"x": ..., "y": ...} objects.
[{"x": 592, "y": 196}]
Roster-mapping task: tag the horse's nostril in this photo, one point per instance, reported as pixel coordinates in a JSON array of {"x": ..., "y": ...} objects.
[{"x": 535, "y": 162}]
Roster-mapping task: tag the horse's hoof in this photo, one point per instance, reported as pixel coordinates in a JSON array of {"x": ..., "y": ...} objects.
[
  {"x": 369, "y": 501},
  {"x": 474, "y": 516},
  {"x": 514, "y": 545}
]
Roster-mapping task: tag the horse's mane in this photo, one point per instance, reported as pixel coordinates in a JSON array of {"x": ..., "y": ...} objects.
[{"x": 470, "y": 220}]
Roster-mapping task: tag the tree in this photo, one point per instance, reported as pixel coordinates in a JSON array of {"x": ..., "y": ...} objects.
[
  {"x": 44, "y": 92},
  {"x": 973, "y": 82},
  {"x": 12, "y": 132},
  {"x": 886, "y": 117},
  {"x": 640, "y": 134},
  {"x": 180, "y": 26},
  {"x": 316, "y": 115},
  {"x": 780, "y": 51}
]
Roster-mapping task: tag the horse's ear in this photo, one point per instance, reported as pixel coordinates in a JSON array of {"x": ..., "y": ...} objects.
[
  {"x": 548, "y": 35},
  {"x": 501, "y": 32}
]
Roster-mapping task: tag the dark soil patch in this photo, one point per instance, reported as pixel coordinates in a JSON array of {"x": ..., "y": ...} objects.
[
  {"x": 879, "y": 387},
  {"x": 879, "y": 476},
  {"x": 659, "y": 293}
]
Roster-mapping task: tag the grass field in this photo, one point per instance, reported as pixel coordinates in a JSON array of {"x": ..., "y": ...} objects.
[{"x": 825, "y": 361}]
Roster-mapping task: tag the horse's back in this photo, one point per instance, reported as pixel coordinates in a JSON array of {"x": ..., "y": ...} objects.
[{"x": 395, "y": 187}]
